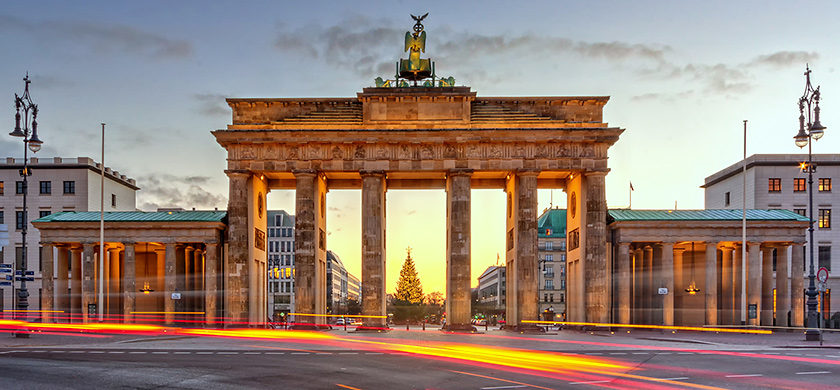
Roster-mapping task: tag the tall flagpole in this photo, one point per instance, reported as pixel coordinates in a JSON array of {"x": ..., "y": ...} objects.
[
  {"x": 102, "y": 229},
  {"x": 744, "y": 227}
]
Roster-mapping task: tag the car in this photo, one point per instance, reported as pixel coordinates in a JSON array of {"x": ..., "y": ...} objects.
[
  {"x": 355, "y": 322},
  {"x": 339, "y": 321}
]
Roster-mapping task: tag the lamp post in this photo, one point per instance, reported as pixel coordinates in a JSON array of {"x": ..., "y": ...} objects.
[
  {"x": 815, "y": 131},
  {"x": 30, "y": 142}
]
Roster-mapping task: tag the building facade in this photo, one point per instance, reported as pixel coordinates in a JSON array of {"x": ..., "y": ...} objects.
[
  {"x": 491, "y": 288},
  {"x": 777, "y": 181},
  {"x": 551, "y": 236},
  {"x": 688, "y": 267},
  {"x": 281, "y": 263},
  {"x": 55, "y": 185}
]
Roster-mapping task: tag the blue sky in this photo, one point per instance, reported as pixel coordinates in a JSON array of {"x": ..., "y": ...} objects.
[{"x": 681, "y": 75}]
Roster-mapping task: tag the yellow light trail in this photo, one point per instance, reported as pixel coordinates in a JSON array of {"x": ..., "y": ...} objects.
[
  {"x": 333, "y": 315},
  {"x": 666, "y": 327},
  {"x": 33, "y": 311},
  {"x": 167, "y": 312}
]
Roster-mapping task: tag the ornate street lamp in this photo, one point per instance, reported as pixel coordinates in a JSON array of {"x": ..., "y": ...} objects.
[
  {"x": 29, "y": 132},
  {"x": 815, "y": 131}
]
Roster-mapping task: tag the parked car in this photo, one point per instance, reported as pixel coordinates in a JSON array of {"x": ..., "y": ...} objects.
[{"x": 339, "y": 321}]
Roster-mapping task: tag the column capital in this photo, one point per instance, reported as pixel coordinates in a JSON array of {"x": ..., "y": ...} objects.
[
  {"x": 237, "y": 173},
  {"x": 595, "y": 173},
  {"x": 526, "y": 172},
  {"x": 370, "y": 172},
  {"x": 127, "y": 243},
  {"x": 304, "y": 172},
  {"x": 460, "y": 172}
]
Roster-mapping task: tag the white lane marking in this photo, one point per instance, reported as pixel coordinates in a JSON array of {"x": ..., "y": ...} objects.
[
  {"x": 300, "y": 353},
  {"x": 137, "y": 352},
  {"x": 67, "y": 351},
  {"x": 833, "y": 356},
  {"x": 348, "y": 353},
  {"x": 812, "y": 372},
  {"x": 640, "y": 353},
  {"x": 96, "y": 351},
  {"x": 504, "y": 387},
  {"x": 57, "y": 351},
  {"x": 116, "y": 351},
  {"x": 160, "y": 353},
  {"x": 181, "y": 353},
  {"x": 204, "y": 353},
  {"x": 743, "y": 375},
  {"x": 594, "y": 353},
  {"x": 685, "y": 353},
  {"x": 373, "y": 353},
  {"x": 588, "y": 383},
  {"x": 664, "y": 353},
  {"x": 681, "y": 378},
  {"x": 251, "y": 353},
  {"x": 618, "y": 353},
  {"x": 275, "y": 353},
  {"x": 39, "y": 351},
  {"x": 227, "y": 353}
]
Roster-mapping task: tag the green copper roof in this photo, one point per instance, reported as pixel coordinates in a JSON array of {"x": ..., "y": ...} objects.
[
  {"x": 552, "y": 223},
  {"x": 704, "y": 215},
  {"x": 135, "y": 216}
]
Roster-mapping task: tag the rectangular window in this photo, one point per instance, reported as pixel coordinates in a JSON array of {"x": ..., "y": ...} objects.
[
  {"x": 69, "y": 187},
  {"x": 562, "y": 284},
  {"x": 271, "y": 232},
  {"x": 2, "y": 187},
  {"x": 549, "y": 246},
  {"x": 18, "y": 257},
  {"x": 113, "y": 200},
  {"x": 799, "y": 211},
  {"x": 549, "y": 284},
  {"x": 774, "y": 184},
  {"x": 19, "y": 220},
  {"x": 562, "y": 246},
  {"x": 799, "y": 184},
  {"x": 549, "y": 271},
  {"x": 45, "y": 188},
  {"x": 825, "y": 185},
  {"x": 726, "y": 199},
  {"x": 825, "y": 218},
  {"x": 18, "y": 188},
  {"x": 825, "y": 257},
  {"x": 549, "y": 257},
  {"x": 2, "y": 217},
  {"x": 43, "y": 213}
]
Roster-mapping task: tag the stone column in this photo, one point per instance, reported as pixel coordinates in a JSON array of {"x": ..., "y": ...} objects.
[
  {"x": 310, "y": 247},
  {"x": 62, "y": 295},
  {"x": 76, "y": 285},
  {"x": 782, "y": 286},
  {"x": 738, "y": 288},
  {"x": 129, "y": 282},
  {"x": 88, "y": 282},
  {"x": 797, "y": 285},
  {"x": 198, "y": 280},
  {"x": 373, "y": 248},
  {"x": 47, "y": 283},
  {"x": 180, "y": 281},
  {"x": 525, "y": 251},
  {"x": 237, "y": 264},
  {"x": 210, "y": 283},
  {"x": 754, "y": 282},
  {"x": 170, "y": 283},
  {"x": 113, "y": 282},
  {"x": 189, "y": 279},
  {"x": 666, "y": 277},
  {"x": 596, "y": 271},
  {"x": 638, "y": 285},
  {"x": 647, "y": 287},
  {"x": 728, "y": 316},
  {"x": 681, "y": 272},
  {"x": 160, "y": 276},
  {"x": 767, "y": 287},
  {"x": 711, "y": 284},
  {"x": 458, "y": 258},
  {"x": 624, "y": 283}
]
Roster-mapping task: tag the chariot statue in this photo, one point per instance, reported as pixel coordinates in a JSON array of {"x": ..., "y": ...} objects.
[{"x": 415, "y": 68}]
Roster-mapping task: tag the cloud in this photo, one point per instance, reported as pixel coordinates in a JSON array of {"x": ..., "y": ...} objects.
[
  {"x": 166, "y": 190},
  {"x": 212, "y": 104},
  {"x": 784, "y": 59},
  {"x": 99, "y": 36}
]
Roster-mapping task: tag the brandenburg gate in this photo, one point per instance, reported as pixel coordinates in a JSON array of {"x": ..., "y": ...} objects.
[{"x": 429, "y": 136}]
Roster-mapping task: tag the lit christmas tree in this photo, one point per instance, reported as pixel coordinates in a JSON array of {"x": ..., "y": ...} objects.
[{"x": 409, "y": 288}]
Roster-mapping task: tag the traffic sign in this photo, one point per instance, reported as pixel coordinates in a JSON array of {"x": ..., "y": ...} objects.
[
  {"x": 663, "y": 291},
  {"x": 822, "y": 274},
  {"x": 18, "y": 272},
  {"x": 5, "y": 283},
  {"x": 28, "y": 279},
  {"x": 30, "y": 272},
  {"x": 5, "y": 270},
  {"x": 821, "y": 287},
  {"x": 8, "y": 277},
  {"x": 5, "y": 266}
]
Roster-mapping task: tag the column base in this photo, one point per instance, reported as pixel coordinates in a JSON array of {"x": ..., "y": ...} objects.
[
  {"x": 372, "y": 329},
  {"x": 813, "y": 335},
  {"x": 459, "y": 328},
  {"x": 525, "y": 328}
]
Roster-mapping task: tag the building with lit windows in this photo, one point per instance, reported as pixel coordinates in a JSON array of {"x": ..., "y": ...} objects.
[
  {"x": 551, "y": 244},
  {"x": 491, "y": 288},
  {"x": 56, "y": 184},
  {"x": 777, "y": 181},
  {"x": 281, "y": 263}
]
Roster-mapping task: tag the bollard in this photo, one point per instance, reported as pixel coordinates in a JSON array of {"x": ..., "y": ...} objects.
[
  {"x": 424, "y": 325},
  {"x": 406, "y": 325}
]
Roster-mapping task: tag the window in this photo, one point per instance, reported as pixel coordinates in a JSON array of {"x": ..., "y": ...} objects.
[
  {"x": 825, "y": 257},
  {"x": 19, "y": 220},
  {"x": 69, "y": 187},
  {"x": 549, "y": 257},
  {"x": 799, "y": 184},
  {"x": 563, "y": 245},
  {"x": 549, "y": 271},
  {"x": 43, "y": 213},
  {"x": 726, "y": 199},
  {"x": 562, "y": 284},
  {"x": 551, "y": 297},
  {"x": 825, "y": 218},
  {"x": 45, "y": 188},
  {"x": 2, "y": 187},
  {"x": 545, "y": 297},
  {"x": 549, "y": 284},
  {"x": 775, "y": 185},
  {"x": 825, "y": 185},
  {"x": 2, "y": 217},
  {"x": 799, "y": 211},
  {"x": 19, "y": 257},
  {"x": 113, "y": 200},
  {"x": 549, "y": 246},
  {"x": 18, "y": 188},
  {"x": 271, "y": 232}
]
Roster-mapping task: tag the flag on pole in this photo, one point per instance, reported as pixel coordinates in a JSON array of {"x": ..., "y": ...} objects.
[{"x": 631, "y": 186}]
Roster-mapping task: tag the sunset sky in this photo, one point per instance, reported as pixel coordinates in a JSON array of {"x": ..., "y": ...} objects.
[{"x": 682, "y": 77}]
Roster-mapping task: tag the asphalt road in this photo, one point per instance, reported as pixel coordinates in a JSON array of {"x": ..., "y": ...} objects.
[{"x": 248, "y": 365}]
